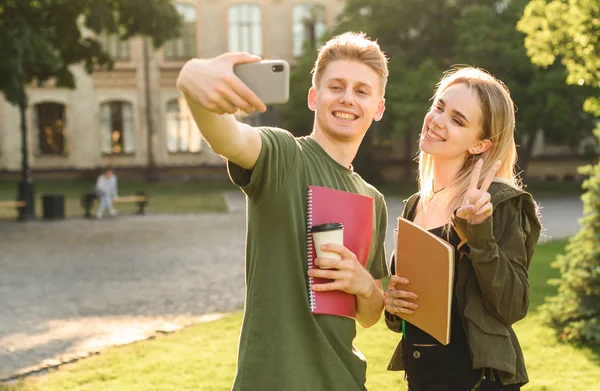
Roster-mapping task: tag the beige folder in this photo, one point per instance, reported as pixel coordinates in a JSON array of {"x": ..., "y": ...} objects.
[{"x": 427, "y": 261}]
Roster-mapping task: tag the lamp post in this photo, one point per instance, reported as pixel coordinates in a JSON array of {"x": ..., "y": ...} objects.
[
  {"x": 151, "y": 165},
  {"x": 25, "y": 186}
]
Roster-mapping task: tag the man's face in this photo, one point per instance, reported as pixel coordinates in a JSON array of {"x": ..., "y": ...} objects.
[
  {"x": 346, "y": 100},
  {"x": 108, "y": 173}
]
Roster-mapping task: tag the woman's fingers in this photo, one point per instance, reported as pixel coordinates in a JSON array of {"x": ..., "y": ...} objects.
[
  {"x": 397, "y": 280},
  {"x": 484, "y": 199},
  {"x": 396, "y": 306},
  {"x": 489, "y": 178},
  {"x": 465, "y": 212},
  {"x": 397, "y": 301},
  {"x": 402, "y": 294},
  {"x": 486, "y": 210}
]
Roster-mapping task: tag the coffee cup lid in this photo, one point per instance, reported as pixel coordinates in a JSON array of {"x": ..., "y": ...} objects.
[{"x": 327, "y": 227}]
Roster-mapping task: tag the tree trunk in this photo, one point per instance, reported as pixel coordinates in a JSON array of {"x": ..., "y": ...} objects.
[{"x": 525, "y": 153}]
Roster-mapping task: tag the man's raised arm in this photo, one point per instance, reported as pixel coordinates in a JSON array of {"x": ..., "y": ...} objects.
[{"x": 214, "y": 93}]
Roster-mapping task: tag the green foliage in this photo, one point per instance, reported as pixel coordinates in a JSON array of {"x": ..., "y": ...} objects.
[
  {"x": 568, "y": 30},
  {"x": 424, "y": 38},
  {"x": 487, "y": 38},
  {"x": 40, "y": 39},
  {"x": 575, "y": 311},
  {"x": 298, "y": 118}
]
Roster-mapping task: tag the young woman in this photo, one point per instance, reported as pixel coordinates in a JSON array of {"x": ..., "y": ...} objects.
[{"x": 469, "y": 194}]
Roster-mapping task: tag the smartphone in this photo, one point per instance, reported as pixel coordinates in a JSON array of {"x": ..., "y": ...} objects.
[{"x": 268, "y": 79}]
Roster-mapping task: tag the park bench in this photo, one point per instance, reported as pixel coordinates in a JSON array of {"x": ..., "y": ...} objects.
[
  {"x": 13, "y": 204},
  {"x": 140, "y": 199}
]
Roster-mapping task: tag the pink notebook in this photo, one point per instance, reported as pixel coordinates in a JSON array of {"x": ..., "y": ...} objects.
[{"x": 355, "y": 212}]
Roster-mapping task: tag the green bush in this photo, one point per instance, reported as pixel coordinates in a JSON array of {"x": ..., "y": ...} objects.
[{"x": 575, "y": 311}]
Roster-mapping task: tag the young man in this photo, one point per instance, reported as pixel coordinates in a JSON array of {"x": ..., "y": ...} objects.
[{"x": 283, "y": 346}]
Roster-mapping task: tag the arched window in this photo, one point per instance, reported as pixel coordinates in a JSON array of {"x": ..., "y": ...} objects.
[
  {"x": 116, "y": 123},
  {"x": 184, "y": 47},
  {"x": 308, "y": 24},
  {"x": 182, "y": 133},
  {"x": 51, "y": 127},
  {"x": 245, "y": 28}
]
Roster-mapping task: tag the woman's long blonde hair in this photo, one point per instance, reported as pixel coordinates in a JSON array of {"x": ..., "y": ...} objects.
[{"x": 498, "y": 125}]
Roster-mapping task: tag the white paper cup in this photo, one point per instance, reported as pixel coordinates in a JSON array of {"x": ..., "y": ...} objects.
[{"x": 325, "y": 234}]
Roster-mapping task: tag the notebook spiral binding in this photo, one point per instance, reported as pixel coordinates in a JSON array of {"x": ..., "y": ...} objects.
[{"x": 309, "y": 250}]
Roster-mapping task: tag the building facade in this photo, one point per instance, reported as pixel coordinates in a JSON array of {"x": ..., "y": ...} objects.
[{"x": 134, "y": 117}]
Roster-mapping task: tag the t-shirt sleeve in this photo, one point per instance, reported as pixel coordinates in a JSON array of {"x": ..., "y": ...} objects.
[
  {"x": 277, "y": 156},
  {"x": 378, "y": 267}
]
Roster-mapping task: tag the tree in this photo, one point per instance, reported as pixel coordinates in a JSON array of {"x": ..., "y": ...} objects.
[
  {"x": 487, "y": 37},
  {"x": 422, "y": 38},
  {"x": 417, "y": 55},
  {"x": 41, "y": 39},
  {"x": 570, "y": 31},
  {"x": 575, "y": 311}
]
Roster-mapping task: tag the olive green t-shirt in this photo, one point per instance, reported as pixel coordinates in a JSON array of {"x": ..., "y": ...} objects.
[{"x": 283, "y": 346}]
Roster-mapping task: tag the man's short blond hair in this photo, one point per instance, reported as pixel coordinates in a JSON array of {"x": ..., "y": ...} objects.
[{"x": 353, "y": 47}]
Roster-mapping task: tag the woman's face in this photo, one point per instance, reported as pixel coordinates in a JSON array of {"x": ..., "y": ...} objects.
[{"x": 452, "y": 127}]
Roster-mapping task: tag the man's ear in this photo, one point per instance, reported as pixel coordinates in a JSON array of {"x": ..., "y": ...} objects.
[
  {"x": 480, "y": 147},
  {"x": 380, "y": 109},
  {"x": 312, "y": 98}
]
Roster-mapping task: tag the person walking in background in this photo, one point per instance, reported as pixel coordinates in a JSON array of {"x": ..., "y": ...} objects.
[
  {"x": 283, "y": 346},
  {"x": 469, "y": 194},
  {"x": 106, "y": 191}
]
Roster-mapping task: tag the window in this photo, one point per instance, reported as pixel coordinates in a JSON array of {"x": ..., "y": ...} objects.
[
  {"x": 184, "y": 47},
  {"x": 50, "y": 123},
  {"x": 308, "y": 25},
  {"x": 116, "y": 122},
  {"x": 245, "y": 29},
  {"x": 116, "y": 48},
  {"x": 182, "y": 133}
]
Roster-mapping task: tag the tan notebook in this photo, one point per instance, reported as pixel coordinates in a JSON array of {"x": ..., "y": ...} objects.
[{"x": 427, "y": 261}]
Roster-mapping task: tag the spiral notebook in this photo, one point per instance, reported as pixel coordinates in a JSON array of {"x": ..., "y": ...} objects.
[{"x": 355, "y": 212}]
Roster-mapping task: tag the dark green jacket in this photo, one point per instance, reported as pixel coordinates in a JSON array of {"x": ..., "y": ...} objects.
[{"x": 493, "y": 287}]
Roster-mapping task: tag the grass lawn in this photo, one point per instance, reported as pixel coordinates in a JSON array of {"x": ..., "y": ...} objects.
[
  {"x": 165, "y": 197},
  {"x": 202, "y": 357}
]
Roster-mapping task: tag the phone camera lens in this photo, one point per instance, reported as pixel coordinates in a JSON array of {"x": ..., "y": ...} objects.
[{"x": 277, "y": 68}]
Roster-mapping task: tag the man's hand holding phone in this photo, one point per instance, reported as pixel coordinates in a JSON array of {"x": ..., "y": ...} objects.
[{"x": 214, "y": 85}]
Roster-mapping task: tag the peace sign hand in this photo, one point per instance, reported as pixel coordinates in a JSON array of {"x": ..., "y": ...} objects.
[{"x": 476, "y": 207}]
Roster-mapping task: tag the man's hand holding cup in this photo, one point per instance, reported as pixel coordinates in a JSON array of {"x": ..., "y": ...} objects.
[{"x": 337, "y": 263}]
